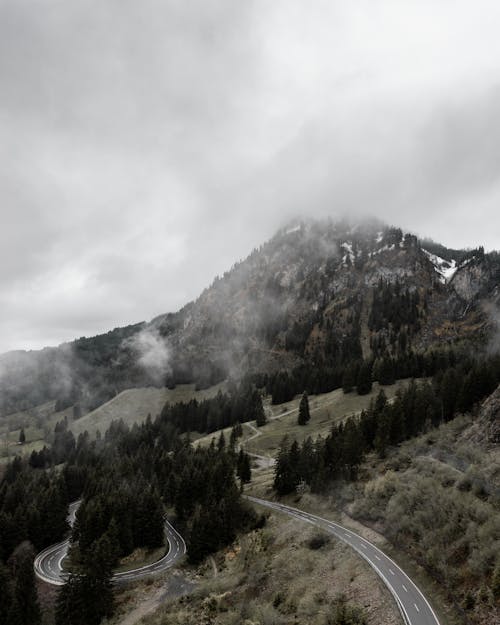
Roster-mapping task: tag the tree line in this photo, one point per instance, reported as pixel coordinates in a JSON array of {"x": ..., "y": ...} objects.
[
  {"x": 127, "y": 489},
  {"x": 241, "y": 404},
  {"x": 358, "y": 375},
  {"x": 126, "y": 479},
  {"x": 418, "y": 407}
]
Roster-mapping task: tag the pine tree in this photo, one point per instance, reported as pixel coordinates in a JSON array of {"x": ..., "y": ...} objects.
[
  {"x": 197, "y": 542},
  {"x": 70, "y": 604},
  {"x": 87, "y": 597},
  {"x": 450, "y": 388},
  {"x": 22, "y": 436},
  {"x": 282, "y": 471},
  {"x": 221, "y": 443},
  {"x": 304, "y": 415},
  {"x": 349, "y": 377},
  {"x": 233, "y": 437},
  {"x": 383, "y": 435},
  {"x": 260, "y": 415},
  {"x": 5, "y": 589},
  {"x": 24, "y": 609},
  {"x": 150, "y": 521},
  {"x": 307, "y": 461},
  {"x": 243, "y": 469},
  {"x": 352, "y": 447},
  {"x": 364, "y": 381},
  {"x": 386, "y": 374},
  {"x": 286, "y": 475}
]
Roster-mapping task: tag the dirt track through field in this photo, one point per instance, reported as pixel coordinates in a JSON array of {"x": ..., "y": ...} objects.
[{"x": 175, "y": 586}]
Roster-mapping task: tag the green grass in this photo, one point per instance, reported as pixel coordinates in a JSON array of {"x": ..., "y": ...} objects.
[
  {"x": 326, "y": 409},
  {"x": 134, "y": 405},
  {"x": 20, "y": 450}
]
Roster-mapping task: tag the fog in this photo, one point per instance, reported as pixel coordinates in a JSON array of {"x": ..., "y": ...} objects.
[{"x": 148, "y": 146}]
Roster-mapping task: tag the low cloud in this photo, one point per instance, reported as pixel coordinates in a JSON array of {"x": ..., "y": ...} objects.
[
  {"x": 147, "y": 147},
  {"x": 152, "y": 352}
]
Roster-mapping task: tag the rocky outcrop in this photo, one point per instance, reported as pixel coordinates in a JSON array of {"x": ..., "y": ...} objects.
[
  {"x": 471, "y": 280},
  {"x": 485, "y": 430},
  {"x": 490, "y": 417}
]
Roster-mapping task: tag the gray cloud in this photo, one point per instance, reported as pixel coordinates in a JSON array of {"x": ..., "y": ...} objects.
[
  {"x": 152, "y": 352},
  {"x": 147, "y": 146}
]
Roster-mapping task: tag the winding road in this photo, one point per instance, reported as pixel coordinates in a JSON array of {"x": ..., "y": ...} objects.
[
  {"x": 48, "y": 563},
  {"x": 414, "y": 607}
]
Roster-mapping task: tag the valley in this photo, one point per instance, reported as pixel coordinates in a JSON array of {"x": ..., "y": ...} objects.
[{"x": 331, "y": 396}]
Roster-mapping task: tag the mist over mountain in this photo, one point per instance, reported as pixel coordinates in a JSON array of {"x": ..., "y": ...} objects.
[{"x": 322, "y": 292}]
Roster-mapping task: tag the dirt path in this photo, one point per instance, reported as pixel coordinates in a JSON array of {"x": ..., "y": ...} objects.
[{"x": 175, "y": 586}]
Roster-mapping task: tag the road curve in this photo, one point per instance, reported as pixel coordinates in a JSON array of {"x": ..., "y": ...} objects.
[
  {"x": 48, "y": 563},
  {"x": 414, "y": 607}
]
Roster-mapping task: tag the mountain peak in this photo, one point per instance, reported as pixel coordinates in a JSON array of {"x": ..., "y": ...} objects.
[{"x": 319, "y": 292}]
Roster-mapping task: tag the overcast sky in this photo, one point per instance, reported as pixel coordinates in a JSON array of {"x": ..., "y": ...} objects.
[{"x": 147, "y": 145}]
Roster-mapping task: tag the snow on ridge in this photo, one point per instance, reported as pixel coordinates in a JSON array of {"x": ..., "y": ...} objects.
[
  {"x": 293, "y": 229},
  {"x": 349, "y": 252},
  {"x": 386, "y": 248},
  {"x": 445, "y": 269}
]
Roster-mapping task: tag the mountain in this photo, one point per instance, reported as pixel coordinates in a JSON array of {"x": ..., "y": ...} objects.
[{"x": 323, "y": 293}]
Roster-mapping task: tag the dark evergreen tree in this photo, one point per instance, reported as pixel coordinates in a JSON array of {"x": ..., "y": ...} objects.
[
  {"x": 221, "y": 443},
  {"x": 5, "y": 589},
  {"x": 70, "y": 603},
  {"x": 87, "y": 597},
  {"x": 304, "y": 414},
  {"x": 364, "y": 379},
  {"x": 349, "y": 377},
  {"x": 386, "y": 373},
  {"x": 24, "y": 608},
  {"x": 22, "y": 436},
  {"x": 243, "y": 469},
  {"x": 236, "y": 433},
  {"x": 383, "y": 435},
  {"x": 260, "y": 415},
  {"x": 282, "y": 482}
]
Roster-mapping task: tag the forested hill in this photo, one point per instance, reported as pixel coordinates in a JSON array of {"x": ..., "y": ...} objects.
[{"x": 319, "y": 292}]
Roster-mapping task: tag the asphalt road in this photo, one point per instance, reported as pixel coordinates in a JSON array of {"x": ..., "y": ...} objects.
[
  {"x": 414, "y": 607},
  {"x": 48, "y": 563}
]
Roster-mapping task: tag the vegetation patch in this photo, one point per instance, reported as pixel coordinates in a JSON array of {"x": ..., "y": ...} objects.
[{"x": 273, "y": 577}]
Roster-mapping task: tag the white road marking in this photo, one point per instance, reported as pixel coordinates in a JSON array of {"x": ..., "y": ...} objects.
[
  {"x": 337, "y": 530},
  {"x": 48, "y": 564},
  {"x": 391, "y": 572}
]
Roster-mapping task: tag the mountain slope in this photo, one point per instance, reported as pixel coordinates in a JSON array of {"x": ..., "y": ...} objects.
[
  {"x": 319, "y": 292},
  {"x": 330, "y": 292}
]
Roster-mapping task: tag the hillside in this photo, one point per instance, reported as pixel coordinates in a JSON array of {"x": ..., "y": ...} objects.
[
  {"x": 134, "y": 405},
  {"x": 437, "y": 499},
  {"x": 321, "y": 292}
]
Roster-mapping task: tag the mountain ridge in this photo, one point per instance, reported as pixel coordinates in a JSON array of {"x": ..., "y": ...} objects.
[{"x": 318, "y": 292}]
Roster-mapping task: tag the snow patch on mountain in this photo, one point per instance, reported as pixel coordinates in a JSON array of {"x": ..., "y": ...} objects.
[
  {"x": 347, "y": 247},
  {"x": 445, "y": 269}
]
